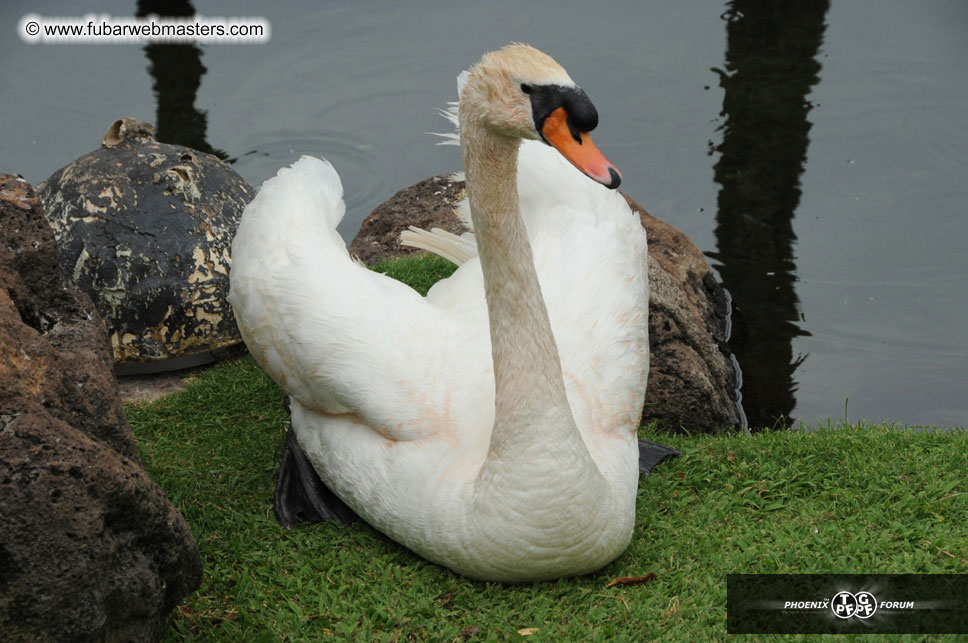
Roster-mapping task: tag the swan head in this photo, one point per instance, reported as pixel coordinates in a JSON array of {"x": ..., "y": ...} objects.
[{"x": 521, "y": 92}]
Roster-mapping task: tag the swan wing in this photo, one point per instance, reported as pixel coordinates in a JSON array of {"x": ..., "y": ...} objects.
[{"x": 341, "y": 339}]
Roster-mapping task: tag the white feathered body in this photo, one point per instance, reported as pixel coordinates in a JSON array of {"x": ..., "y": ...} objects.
[{"x": 393, "y": 393}]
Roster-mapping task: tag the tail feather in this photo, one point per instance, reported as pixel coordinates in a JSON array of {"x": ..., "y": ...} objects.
[
  {"x": 308, "y": 190},
  {"x": 445, "y": 244}
]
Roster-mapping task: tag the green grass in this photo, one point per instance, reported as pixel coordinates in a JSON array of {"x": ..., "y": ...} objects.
[
  {"x": 419, "y": 271},
  {"x": 855, "y": 499}
]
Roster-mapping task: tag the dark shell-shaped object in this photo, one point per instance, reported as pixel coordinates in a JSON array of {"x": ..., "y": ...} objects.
[{"x": 145, "y": 228}]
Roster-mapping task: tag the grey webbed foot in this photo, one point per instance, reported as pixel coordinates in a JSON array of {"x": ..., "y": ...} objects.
[
  {"x": 651, "y": 454},
  {"x": 300, "y": 494}
]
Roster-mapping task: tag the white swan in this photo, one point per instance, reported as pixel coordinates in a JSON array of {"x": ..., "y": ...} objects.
[{"x": 491, "y": 426}]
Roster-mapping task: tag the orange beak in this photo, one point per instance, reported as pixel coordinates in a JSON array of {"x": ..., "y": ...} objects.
[{"x": 581, "y": 151}]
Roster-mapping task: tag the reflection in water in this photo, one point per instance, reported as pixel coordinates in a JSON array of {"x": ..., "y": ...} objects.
[
  {"x": 770, "y": 68},
  {"x": 177, "y": 71}
]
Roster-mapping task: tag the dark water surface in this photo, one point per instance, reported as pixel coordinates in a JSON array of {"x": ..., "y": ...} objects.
[{"x": 816, "y": 151}]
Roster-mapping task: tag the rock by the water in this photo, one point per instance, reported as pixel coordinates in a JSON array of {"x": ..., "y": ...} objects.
[
  {"x": 145, "y": 229},
  {"x": 428, "y": 204},
  {"x": 90, "y": 547},
  {"x": 692, "y": 375}
]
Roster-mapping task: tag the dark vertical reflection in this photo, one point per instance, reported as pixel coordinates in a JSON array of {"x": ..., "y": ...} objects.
[
  {"x": 770, "y": 67},
  {"x": 177, "y": 71}
]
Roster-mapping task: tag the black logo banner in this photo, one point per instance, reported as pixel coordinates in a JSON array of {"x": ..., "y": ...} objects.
[{"x": 847, "y": 603}]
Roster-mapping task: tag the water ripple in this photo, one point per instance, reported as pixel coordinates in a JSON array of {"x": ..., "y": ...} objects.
[{"x": 266, "y": 152}]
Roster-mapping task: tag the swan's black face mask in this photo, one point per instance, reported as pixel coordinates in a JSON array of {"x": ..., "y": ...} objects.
[
  {"x": 563, "y": 116},
  {"x": 582, "y": 115}
]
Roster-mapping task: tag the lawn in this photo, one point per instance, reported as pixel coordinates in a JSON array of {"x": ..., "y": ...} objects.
[{"x": 846, "y": 499}]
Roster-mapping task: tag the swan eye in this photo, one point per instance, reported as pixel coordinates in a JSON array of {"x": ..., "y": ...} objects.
[{"x": 526, "y": 88}]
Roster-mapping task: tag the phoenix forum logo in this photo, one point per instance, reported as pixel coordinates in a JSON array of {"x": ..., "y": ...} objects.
[{"x": 847, "y": 605}]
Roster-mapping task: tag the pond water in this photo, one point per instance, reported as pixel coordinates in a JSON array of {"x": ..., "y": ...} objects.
[{"x": 815, "y": 152}]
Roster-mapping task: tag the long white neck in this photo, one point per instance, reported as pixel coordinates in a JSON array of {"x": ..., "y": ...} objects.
[{"x": 531, "y": 406}]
